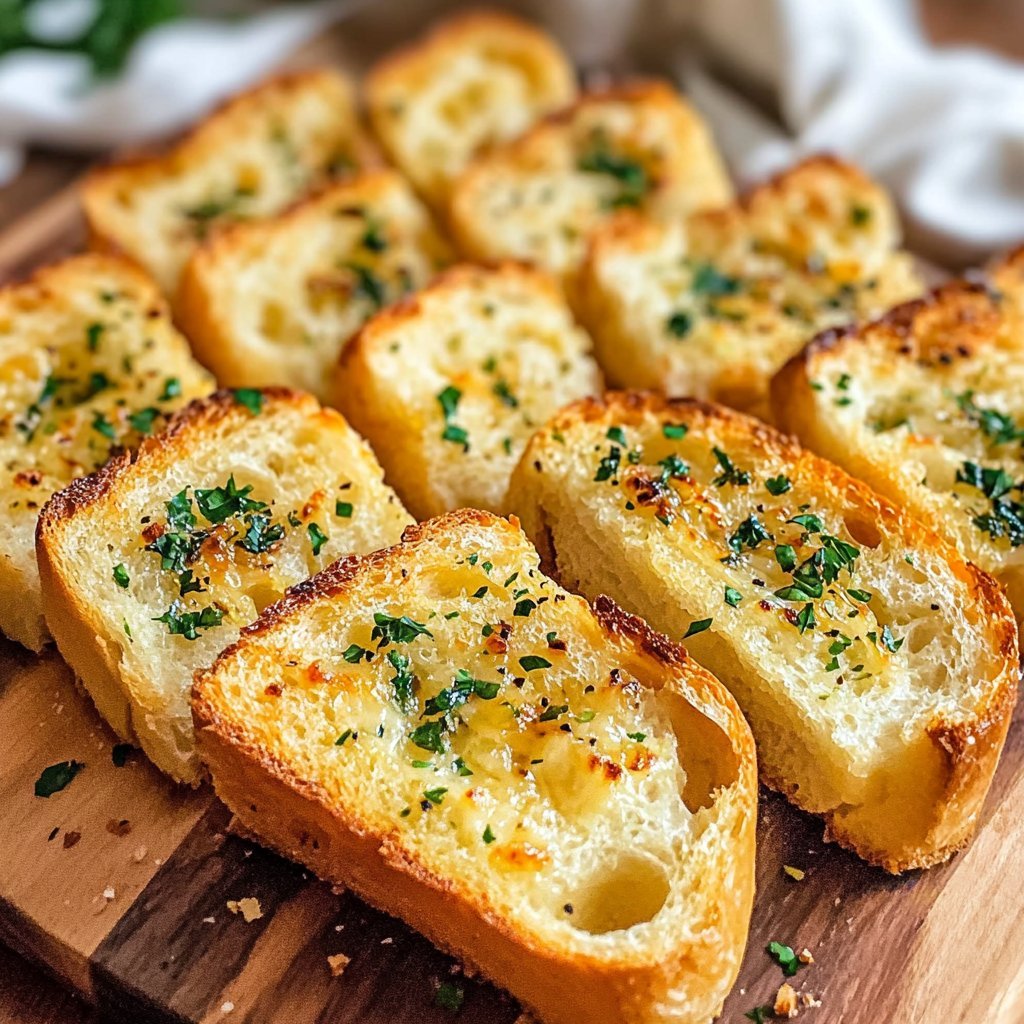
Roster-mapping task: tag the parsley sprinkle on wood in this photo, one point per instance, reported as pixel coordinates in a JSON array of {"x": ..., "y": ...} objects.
[
  {"x": 56, "y": 777},
  {"x": 785, "y": 957}
]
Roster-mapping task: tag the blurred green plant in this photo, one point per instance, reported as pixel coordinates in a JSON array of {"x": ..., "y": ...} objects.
[{"x": 106, "y": 39}]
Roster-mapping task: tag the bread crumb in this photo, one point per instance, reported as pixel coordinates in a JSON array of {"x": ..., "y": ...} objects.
[
  {"x": 785, "y": 1001},
  {"x": 338, "y": 962},
  {"x": 108, "y": 893},
  {"x": 139, "y": 855},
  {"x": 795, "y": 873},
  {"x": 248, "y": 907},
  {"x": 386, "y": 941},
  {"x": 227, "y": 1007},
  {"x": 807, "y": 998},
  {"x": 209, "y": 920},
  {"x": 804, "y": 956}
]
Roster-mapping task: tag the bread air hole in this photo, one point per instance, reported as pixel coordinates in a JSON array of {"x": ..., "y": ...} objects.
[
  {"x": 863, "y": 531},
  {"x": 620, "y": 895},
  {"x": 704, "y": 750}
]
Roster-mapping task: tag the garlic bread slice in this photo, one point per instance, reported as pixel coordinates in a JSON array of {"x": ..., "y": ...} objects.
[
  {"x": 537, "y": 199},
  {"x": 474, "y": 80},
  {"x": 711, "y": 307},
  {"x": 554, "y": 793},
  {"x": 449, "y": 385},
  {"x": 250, "y": 158},
  {"x": 927, "y": 405},
  {"x": 89, "y": 364},
  {"x": 274, "y": 301},
  {"x": 152, "y": 566},
  {"x": 877, "y": 668}
]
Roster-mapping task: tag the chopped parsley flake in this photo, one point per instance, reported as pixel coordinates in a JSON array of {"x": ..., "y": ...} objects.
[
  {"x": 102, "y": 425},
  {"x": 121, "y": 577},
  {"x": 749, "y": 534},
  {"x": 450, "y": 996},
  {"x": 532, "y": 662},
  {"x": 172, "y": 389},
  {"x": 679, "y": 324},
  {"x": 730, "y": 474},
  {"x": 732, "y": 597},
  {"x": 778, "y": 485},
  {"x": 353, "y": 654},
  {"x": 317, "y": 537},
  {"x": 188, "y": 624},
  {"x": 674, "y": 431},
  {"x": 785, "y": 957},
  {"x": 697, "y": 626},
  {"x": 343, "y": 509},
  {"x": 56, "y": 777},
  {"x": 251, "y": 399},
  {"x": 220, "y": 503},
  {"x": 391, "y": 630},
  {"x": 435, "y": 795},
  {"x": 403, "y": 680},
  {"x": 142, "y": 420},
  {"x": 488, "y": 836}
]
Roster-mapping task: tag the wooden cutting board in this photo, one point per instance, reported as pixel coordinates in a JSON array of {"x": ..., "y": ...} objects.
[{"x": 121, "y": 883}]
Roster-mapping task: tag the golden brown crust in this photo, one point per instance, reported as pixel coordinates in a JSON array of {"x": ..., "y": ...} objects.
[
  {"x": 966, "y": 751},
  {"x": 303, "y": 822},
  {"x": 155, "y": 160},
  {"x": 198, "y": 416}
]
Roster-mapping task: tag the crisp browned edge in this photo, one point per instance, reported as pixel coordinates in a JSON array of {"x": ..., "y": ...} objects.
[
  {"x": 152, "y": 161},
  {"x": 971, "y": 748},
  {"x": 453, "y": 30},
  {"x": 387, "y": 874},
  {"x": 629, "y": 225},
  {"x": 44, "y": 278},
  {"x": 197, "y": 415}
]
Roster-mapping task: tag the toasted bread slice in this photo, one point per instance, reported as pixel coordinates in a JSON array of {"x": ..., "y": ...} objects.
[
  {"x": 252, "y": 157},
  {"x": 449, "y": 386},
  {"x": 877, "y": 668},
  {"x": 555, "y": 794},
  {"x": 273, "y": 301},
  {"x": 538, "y": 198},
  {"x": 476, "y": 79},
  {"x": 89, "y": 362},
  {"x": 926, "y": 404},
  {"x": 151, "y": 566},
  {"x": 713, "y": 307}
]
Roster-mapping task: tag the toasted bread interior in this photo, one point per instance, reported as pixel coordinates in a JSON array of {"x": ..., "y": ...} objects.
[
  {"x": 449, "y": 386},
  {"x": 510, "y": 747},
  {"x": 160, "y": 561},
  {"x": 274, "y": 302},
  {"x": 538, "y": 198},
  {"x": 850, "y": 636},
  {"x": 251, "y": 158},
  {"x": 474, "y": 80},
  {"x": 712, "y": 307},
  {"x": 89, "y": 363},
  {"x": 927, "y": 405}
]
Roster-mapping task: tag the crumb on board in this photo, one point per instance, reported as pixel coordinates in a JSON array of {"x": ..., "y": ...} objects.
[
  {"x": 337, "y": 963},
  {"x": 108, "y": 893},
  {"x": 795, "y": 873},
  {"x": 227, "y": 1007},
  {"x": 808, "y": 999},
  {"x": 805, "y": 956},
  {"x": 248, "y": 907},
  {"x": 785, "y": 1001}
]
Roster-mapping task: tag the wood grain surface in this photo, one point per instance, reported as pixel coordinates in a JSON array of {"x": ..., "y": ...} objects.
[{"x": 121, "y": 883}]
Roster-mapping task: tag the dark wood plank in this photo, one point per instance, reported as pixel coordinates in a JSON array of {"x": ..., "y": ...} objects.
[{"x": 180, "y": 955}]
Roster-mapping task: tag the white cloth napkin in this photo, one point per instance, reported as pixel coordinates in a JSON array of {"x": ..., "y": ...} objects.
[
  {"x": 944, "y": 129},
  {"x": 174, "y": 74}
]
